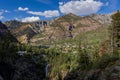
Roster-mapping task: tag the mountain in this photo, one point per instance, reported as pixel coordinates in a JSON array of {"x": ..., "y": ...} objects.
[
  {"x": 57, "y": 29},
  {"x": 5, "y": 34},
  {"x": 104, "y": 19},
  {"x": 60, "y": 28},
  {"x": 3, "y": 29},
  {"x": 24, "y": 31},
  {"x": 14, "y": 66}
]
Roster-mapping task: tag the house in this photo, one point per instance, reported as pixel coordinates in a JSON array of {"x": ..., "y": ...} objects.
[{"x": 21, "y": 53}]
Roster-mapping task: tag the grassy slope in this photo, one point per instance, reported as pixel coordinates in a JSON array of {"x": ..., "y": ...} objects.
[
  {"x": 62, "y": 63},
  {"x": 91, "y": 37},
  {"x": 94, "y": 37}
]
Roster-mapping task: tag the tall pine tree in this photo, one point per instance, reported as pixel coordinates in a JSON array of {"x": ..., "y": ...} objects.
[{"x": 115, "y": 32}]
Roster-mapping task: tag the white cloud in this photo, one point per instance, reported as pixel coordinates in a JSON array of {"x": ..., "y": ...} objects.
[
  {"x": 30, "y": 19},
  {"x": 61, "y": 3},
  {"x": 1, "y": 17},
  {"x": 16, "y": 18},
  {"x": 48, "y": 13},
  {"x": 1, "y": 13},
  {"x": 81, "y": 7},
  {"x": 107, "y": 4},
  {"x": 23, "y": 9},
  {"x": 4, "y": 11}
]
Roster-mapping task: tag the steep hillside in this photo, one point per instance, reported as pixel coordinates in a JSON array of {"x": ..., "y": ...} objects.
[
  {"x": 60, "y": 28},
  {"x": 57, "y": 29},
  {"x": 20, "y": 29},
  {"x": 13, "y": 66},
  {"x": 13, "y": 24},
  {"x": 5, "y": 34},
  {"x": 3, "y": 29},
  {"x": 7, "y": 49},
  {"x": 104, "y": 19}
]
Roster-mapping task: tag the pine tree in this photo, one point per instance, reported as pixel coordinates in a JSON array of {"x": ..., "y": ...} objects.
[{"x": 115, "y": 32}]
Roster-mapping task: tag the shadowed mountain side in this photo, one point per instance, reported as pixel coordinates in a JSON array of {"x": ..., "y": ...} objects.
[
  {"x": 5, "y": 34},
  {"x": 13, "y": 66}
]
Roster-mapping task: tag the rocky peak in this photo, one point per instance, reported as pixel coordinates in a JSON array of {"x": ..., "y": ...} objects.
[
  {"x": 71, "y": 14},
  {"x": 102, "y": 18},
  {"x": 12, "y": 24}
]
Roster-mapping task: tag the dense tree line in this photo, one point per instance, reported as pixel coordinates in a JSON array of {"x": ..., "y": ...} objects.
[{"x": 115, "y": 32}]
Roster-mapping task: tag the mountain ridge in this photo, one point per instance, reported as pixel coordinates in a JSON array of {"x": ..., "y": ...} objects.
[
  {"x": 58, "y": 27},
  {"x": 5, "y": 34}
]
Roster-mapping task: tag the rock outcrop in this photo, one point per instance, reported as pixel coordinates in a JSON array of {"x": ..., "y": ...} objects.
[{"x": 104, "y": 19}]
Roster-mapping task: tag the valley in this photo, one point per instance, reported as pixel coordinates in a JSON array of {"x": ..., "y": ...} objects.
[{"x": 69, "y": 47}]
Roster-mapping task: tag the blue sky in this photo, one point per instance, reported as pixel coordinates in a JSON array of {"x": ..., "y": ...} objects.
[{"x": 31, "y": 10}]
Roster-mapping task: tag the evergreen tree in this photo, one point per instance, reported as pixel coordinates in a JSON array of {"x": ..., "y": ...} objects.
[{"x": 115, "y": 32}]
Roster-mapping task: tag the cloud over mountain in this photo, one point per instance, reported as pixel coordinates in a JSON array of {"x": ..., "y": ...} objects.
[
  {"x": 81, "y": 7},
  {"x": 48, "y": 13},
  {"x": 48, "y": 9},
  {"x": 30, "y": 19}
]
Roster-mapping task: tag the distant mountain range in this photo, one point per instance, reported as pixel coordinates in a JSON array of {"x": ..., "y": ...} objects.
[{"x": 56, "y": 29}]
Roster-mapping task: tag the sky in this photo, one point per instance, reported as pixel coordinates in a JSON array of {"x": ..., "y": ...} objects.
[{"x": 33, "y": 10}]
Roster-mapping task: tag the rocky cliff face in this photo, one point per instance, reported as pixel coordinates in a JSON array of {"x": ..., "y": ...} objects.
[
  {"x": 19, "y": 29},
  {"x": 104, "y": 19}
]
